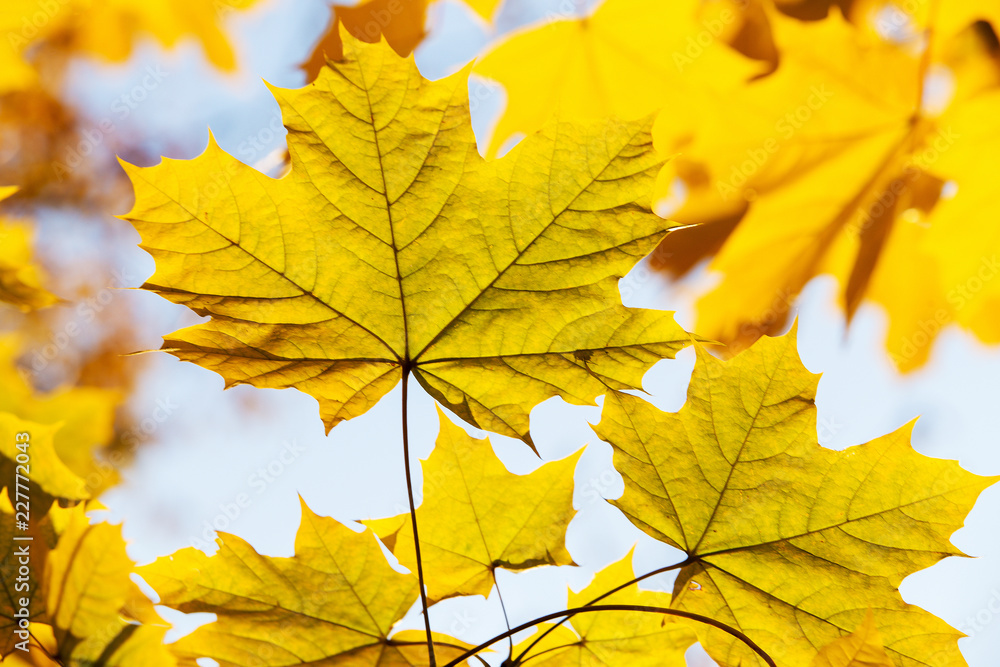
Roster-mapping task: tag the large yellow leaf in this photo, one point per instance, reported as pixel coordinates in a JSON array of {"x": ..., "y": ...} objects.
[
  {"x": 334, "y": 602},
  {"x": 789, "y": 542},
  {"x": 636, "y": 639},
  {"x": 391, "y": 246},
  {"x": 861, "y": 648},
  {"x": 628, "y": 59},
  {"x": 833, "y": 165},
  {"x": 476, "y": 516},
  {"x": 20, "y": 279}
]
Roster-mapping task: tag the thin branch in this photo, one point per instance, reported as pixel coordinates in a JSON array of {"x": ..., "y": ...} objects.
[
  {"x": 413, "y": 522},
  {"x": 614, "y": 590},
  {"x": 503, "y": 607},
  {"x": 619, "y": 607}
]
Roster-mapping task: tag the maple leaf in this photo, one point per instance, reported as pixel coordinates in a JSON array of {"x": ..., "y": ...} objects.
[
  {"x": 834, "y": 165},
  {"x": 86, "y": 416},
  {"x": 611, "y": 637},
  {"x": 392, "y": 247},
  {"x": 49, "y": 477},
  {"x": 20, "y": 279},
  {"x": 787, "y": 541},
  {"x": 335, "y": 601},
  {"x": 86, "y": 610},
  {"x": 630, "y": 58},
  {"x": 476, "y": 516},
  {"x": 861, "y": 648}
]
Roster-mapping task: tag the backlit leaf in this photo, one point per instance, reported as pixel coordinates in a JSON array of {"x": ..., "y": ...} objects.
[
  {"x": 476, "y": 516},
  {"x": 334, "y": 602},
  {"x": 393, "y": 245},
  {"x": 789, "y": 542}
]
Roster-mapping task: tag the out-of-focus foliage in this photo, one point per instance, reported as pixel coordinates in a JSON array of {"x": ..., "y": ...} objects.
[
  {"x": 402, "y": 23},
  {"x": 860, "y": 149},
  {"x": 85, "y": 609},
  {"x": 20, "y": 279}
]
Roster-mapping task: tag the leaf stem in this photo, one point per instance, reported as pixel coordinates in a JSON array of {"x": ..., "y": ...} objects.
[
  {"x": 432, "y": 660},
  {"x": 619, "y": 607},
  {"x": 614, "y": 590}
]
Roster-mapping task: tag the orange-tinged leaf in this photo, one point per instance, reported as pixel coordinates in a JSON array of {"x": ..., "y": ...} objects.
[
  {"x": 400, "y": 22},
  {"x": 790, "y": 543},
  {"x": 476, "y": 516},
  {"x": 393, "y": 245},
  {"x": 334, "y": 602}
]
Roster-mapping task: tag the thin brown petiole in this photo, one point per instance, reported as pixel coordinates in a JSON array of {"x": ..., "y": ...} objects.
[{"x": 432, "y": 660}]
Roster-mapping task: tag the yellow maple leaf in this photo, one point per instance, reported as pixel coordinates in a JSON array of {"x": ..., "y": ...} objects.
[
  {"x": 476, "y": 516},
  {"x": 630, "y": 58},
  {"x": 20, "y": 279},
  {"x": 85, "y": 608},
  {"x": 334, "y": 602},
  {"x": 28, "y": 448},
  {"x": 787, "y": 541},
  {"x": 392, "y": 247},
  {"x": 833, "y": 164},
  {"x": 861, "y": 648},
  {"x": 638, "y": 639}
]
